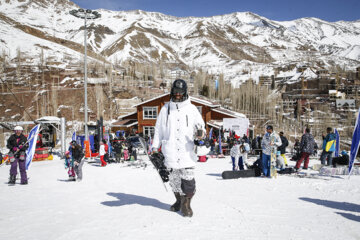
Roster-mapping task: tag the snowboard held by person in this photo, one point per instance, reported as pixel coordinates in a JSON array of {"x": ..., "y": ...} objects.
[{"x": 179, "y": 123}]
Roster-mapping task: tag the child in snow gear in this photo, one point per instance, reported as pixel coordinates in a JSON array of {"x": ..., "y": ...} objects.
[
  {"x": 17, "y": 145},
  {"x": 69, "y": 164},
  {"x": 102, "y": 152},
  {"x": 176, "y": 125},
  {"x": 78, "y": 155}
]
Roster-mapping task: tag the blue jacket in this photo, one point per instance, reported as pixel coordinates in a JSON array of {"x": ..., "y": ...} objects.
[{"x": 329, "y": 142}]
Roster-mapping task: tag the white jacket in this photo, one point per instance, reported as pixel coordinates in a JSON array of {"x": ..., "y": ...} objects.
[
  {"x": 102, "y": 150},
  {"x": 174, "y": 132}
]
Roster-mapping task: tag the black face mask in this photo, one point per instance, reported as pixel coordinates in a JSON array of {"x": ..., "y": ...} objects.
[{"x": 181, "y": 99}]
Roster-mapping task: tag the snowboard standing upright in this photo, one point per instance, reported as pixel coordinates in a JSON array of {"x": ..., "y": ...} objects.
[{"x": 273, "y": 172}]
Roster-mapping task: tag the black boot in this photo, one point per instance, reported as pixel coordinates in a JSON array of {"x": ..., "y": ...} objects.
[
  {"x": 185, "y": 206},
  {"x": 176, "y": 206},
  {"x": 12, "y": 179}
]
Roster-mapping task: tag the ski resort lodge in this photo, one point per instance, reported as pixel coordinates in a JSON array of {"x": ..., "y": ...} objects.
[{"x": 144, "y": 118}]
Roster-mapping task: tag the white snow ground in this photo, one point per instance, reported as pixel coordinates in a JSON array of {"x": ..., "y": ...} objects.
[{"x": 122, "y": 202}]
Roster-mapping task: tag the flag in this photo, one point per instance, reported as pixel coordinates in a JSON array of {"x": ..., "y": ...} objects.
[
  {"x": 32, "y": 138},
  {"x": 73, "y": 138},
  {"x": 220, "y": 148},
  {"x": 109, "y": 145},
  {"x": 210, "y": 133},
  {"x": 355, "y": 143},
  {"x": 337, "y": 144}
]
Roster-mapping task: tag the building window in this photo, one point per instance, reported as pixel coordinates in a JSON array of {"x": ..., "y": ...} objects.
[
  {"x": 199, "y": 108},
  {"x": 149, "y": 112},
  {"x": 149, "y": 131}
]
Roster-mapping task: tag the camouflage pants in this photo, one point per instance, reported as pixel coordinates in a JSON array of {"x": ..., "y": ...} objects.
[{"x": 182, "y": 181}]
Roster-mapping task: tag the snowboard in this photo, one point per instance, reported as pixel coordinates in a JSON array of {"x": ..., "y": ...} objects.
[
  {"x": 241, "y": 174},
  {"x": 154, "y": 163},
  {"x": 273, "y": 172},
  {"x": 286, "y": 171}
]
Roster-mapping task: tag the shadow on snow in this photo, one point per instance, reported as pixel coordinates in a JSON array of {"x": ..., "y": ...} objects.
[
  {"x": 345, "y": 206},
  {"x": 129, "y": 199}
]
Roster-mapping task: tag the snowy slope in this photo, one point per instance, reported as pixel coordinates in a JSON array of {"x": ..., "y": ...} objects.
[
  {"x": 123, "y": 202},
  {"x": 220, "y": 44}
]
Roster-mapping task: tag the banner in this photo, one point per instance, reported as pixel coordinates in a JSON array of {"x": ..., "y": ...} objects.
[
  {"x": 73, "y": 138},
  {"x": 32, "y": 138},
  {"x": 337, "y": 145},
  {"x": 354, "y": 143},
  {"x": 109, "y": 145},
  {"x": 220, "y": 148},
  {"x": 210, "y": 133}
]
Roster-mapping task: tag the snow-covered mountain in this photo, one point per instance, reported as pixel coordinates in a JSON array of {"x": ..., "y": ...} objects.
[{"x": 242, "y": 45}]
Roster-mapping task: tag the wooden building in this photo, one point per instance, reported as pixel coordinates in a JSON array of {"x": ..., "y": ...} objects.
[{"x": 144, "y": 119}]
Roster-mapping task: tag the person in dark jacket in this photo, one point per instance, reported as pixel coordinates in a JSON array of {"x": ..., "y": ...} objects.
[
  {"x": 17, "y": 143},
  {"x": 283, "y": 146},
  {"x": 77, "y": 153},
  {"x": 307, "y": 144},
  {"x": 118, "y": 151},
  {"x": 341, "y": 160}
]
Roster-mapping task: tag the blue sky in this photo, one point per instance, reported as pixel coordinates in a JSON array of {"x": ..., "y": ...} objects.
[{"x": 281, "y": 10}]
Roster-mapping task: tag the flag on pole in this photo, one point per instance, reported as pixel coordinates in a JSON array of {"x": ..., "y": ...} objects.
[
  {"x": 337, "y": 144},
  {"x": 210, "y": 133},
  {"x": 354, "y": 143},
  {"x": 32, "y": 138},
  {"x": 73, "y": 138},
  {"x": 109, "y": 145},
  {"x": 220, "y": 148}
]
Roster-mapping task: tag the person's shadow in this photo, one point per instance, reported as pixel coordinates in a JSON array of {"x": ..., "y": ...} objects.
[
  {"x": 344, "y": 206},
  {"x": 129, "y": 199}
]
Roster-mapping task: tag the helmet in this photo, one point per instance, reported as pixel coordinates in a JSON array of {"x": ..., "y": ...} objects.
[
  {"x": 73, "y": 142},
  {"x": 343, "y": 152},
  {"x": 67, "y": 152},
  {"x": 179, "y": 86},
  {"x": 18, "y": 128}
]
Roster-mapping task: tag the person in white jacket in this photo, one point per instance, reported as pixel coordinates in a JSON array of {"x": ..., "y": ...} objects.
[
  {"x": 270, "y": 142},
  {"x": 178, "y": 123}
]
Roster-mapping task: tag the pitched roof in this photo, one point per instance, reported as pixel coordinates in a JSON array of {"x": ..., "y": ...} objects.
[
  {"x": 229, "y": 112},
  {"x": 192, "y": 98}
]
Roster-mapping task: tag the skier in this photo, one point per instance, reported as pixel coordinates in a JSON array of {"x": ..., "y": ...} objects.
[
  {"x": 176, "y": 125},
  {"x": 266, "y": 145},
  {"x": 78, "y": 155},
  {"x": 17, "y": 146},
  {"x": 69, "y": 164}
]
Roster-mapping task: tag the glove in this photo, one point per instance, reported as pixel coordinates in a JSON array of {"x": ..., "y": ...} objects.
[
  {"x": 14, "y": 149},
  {"x": 154, "y": 150}
]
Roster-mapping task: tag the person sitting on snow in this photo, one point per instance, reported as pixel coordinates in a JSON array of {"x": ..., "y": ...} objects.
[{"x": 343, "y": 159}]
